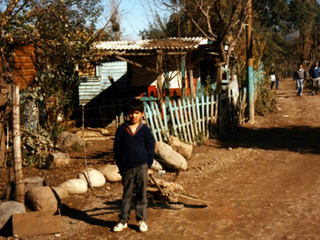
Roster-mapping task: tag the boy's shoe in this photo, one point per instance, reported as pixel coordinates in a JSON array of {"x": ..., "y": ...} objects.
[
  {"x": 119, "y": 227},
  {"x": 143, "y": 226}
]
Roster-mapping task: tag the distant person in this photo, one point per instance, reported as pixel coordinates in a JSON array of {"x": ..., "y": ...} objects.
[
  {"x": 272, "y": 78},
  {"x": 314, "y": 73},
  {"x": 300, "y": 76},
  {"x": 277, "y": 81},
  {"x": 134, "y": 151}
]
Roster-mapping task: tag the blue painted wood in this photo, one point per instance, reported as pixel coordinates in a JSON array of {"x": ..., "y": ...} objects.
[
  {"x": 191, "y": 122},
  {"x": 198, "y": 114},
  {"x": 186, "y": 119},
  {"x": 203, "y": 117},
  {"x": 178, "y": 121},
  {"x": 156, "y": 120},
  {"x": 194, "y": 117},
  {"x": 151, "y": 125},
  {"x": 173, "y": 120}
]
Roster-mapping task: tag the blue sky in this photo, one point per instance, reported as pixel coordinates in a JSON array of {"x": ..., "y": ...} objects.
[{"x": 134, "y": 18}]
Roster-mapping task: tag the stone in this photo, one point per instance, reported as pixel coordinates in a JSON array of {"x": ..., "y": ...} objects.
[
  {"x": 66, "y": 139},
  {"x": 184, "y": 149},
  {"x": 156, "y": 165},
  {"x": 75, "y": 186},
  {"x": 169, "y": 157},
  {"x": 61, "y": 192},
  {"x": 7, "y": 209},
  {"x": 31, "y": 182},
  {"x": 57, "y": 159},
  {"x": 42, "y": 199},
  {"x": 96, "y": 178},
  {"x": 111, "y": 173}
]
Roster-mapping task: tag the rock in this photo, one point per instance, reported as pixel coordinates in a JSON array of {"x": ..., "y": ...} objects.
[
  {"x": 42, "y": 199},
  {"x": 57, "y": 159},
  {"x": 75, "y": 186},
  {"x": 94, "y": 132},
  {"x": 31, "y": 182},
  {"x": 7, "y": 209},
  {"x": 96, "y": 178},
  {"x": 156, "y": 165},
  {"x": 169, "y": 157},
  {"x": 66, "y": 139},
  {"x": 111, "y": 173},
  {"x": 61, "y": 192},
  {"x": 89, "y": 133},
  {"x": 184, "y": 149}
]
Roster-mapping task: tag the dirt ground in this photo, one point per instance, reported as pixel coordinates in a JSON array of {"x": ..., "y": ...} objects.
[{"x": 261, "y": 182}]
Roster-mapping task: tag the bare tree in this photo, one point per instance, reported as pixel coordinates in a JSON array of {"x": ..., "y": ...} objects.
[{"x": 220, "y": 21}]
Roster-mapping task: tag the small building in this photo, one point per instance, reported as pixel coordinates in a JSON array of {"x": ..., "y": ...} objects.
[{"x": 171, "y": 68}]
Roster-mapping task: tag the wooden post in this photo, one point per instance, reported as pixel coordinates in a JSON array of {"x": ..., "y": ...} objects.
[
  {"x": 159, "y": 70},
  {"x": 18, "y": 176}
]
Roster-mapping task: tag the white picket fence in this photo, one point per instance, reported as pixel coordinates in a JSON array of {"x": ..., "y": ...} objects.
[{"x": 187, "y": 119}]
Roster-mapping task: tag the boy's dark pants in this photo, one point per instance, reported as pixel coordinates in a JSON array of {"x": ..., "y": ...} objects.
[{"x": 137, "y": 177}]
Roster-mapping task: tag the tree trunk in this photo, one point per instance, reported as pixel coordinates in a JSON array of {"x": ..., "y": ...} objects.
[{"x": 18, "y": 176}]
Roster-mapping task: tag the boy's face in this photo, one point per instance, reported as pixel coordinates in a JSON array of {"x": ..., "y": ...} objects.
[{"x": 135, "y": 116}]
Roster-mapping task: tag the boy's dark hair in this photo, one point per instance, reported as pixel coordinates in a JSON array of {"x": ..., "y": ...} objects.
[{"x": 136, "y": 104}]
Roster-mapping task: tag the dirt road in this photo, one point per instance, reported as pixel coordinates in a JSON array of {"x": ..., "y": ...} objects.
[{"x": 263, "y": 182}]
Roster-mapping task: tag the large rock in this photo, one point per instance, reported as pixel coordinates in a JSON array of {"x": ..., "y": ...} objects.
[
  {"x": 61, "y": 192},
  {"x": 75, "y": 186},
  {"x": 7, "y": 209},
  {"x": 31, "y": 182},
  {"x": 111, "y": 173},
  {"x": 184, "y": 149},
  {"x": 96, "y": 178},
  {"x": 42, "y": 199},
  {"x": 169, "y": 157},
  {"x": 57, "y": 159},
  {"x": 66, "y": 139}
]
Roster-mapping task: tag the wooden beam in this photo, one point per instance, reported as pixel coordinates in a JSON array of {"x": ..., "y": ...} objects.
[{"x": 137, "y": 64}]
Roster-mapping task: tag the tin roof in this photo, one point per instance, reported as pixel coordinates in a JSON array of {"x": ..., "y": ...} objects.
[{"x": 154, "y": 44}]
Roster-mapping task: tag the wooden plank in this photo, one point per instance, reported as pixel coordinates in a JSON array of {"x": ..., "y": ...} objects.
[
  {"x": 177, "y": 117},
  {"x": 187, "y": 122},
  {"x": 203, "y": 118},
  {"x": 192, "y": 123},
  {"x": 198, "y": 114},
  {"x": 24, "y": 66},
  {"x": 185, "y": 137},
  {"x": 155, "y": 119},
  {"x": 35, "y": 223},
  {"x": 163, "y": 130},
  {"x": 194, "y": 114},
  {"x": 174, "y": 125},
  {"x": 165, "y": 120},
  {"x": 26, "y": 72},
  {"x": 149, "y": 113},
  {"x": 23, "y": 59}
]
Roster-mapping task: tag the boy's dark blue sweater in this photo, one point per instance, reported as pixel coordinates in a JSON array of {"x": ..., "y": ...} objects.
[{"x": 133, "y": 150}]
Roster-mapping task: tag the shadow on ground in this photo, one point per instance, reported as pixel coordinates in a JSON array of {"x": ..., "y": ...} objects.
[{"x": 301, "y": 139}]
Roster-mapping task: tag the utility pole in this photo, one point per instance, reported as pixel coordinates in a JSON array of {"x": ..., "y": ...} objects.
[{"x": 251, "y": 89}]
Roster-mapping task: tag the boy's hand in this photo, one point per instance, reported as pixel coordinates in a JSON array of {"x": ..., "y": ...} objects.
[{"x": 150, "y": 172}]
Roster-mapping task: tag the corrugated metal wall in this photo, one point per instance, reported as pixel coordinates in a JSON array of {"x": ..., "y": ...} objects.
[
  {"x": 117, "y": 70},
  {"x": 92, "y": 86}
]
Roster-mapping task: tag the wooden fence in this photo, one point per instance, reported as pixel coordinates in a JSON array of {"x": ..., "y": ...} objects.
[{"x": 190, "y": 120}]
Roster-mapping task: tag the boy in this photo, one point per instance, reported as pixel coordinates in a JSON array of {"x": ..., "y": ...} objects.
[{"x": 134, "y": 152}]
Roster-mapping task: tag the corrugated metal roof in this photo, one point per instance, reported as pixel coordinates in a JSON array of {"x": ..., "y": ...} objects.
[{"x": 161, "y": 44}]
